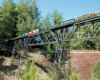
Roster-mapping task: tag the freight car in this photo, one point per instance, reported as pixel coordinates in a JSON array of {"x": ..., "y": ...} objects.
[
  {"x": 63, "y": 23},
  {"x": 87, "y": 16}
]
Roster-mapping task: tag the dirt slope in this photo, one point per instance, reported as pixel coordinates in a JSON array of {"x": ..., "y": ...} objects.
[
  {"x": 80, "y": 63},
  {"x": 83, "y": 63}
]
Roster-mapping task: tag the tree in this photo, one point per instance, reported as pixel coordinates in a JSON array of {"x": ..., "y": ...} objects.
[
  {"x": 46, "y": 23},
  {"x": 22, "y": 9},
  {"x": 31, "y": 72},
  {"x": 88, "y": 44},
  {"x": 95, "y": 75},
  {"x": 29, "y": 16},
  {"x": 56, "y": 16},
  {"x": 8, "y": 19},
  {"x": 1, "y": 36}
]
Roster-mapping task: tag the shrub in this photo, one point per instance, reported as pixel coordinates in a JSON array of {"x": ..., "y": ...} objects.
[
  {"x": 95, "y": 75},
  {"x": 27, "y": 65},
  {"x": 38, "y": 56},
  {"x": 29, "y": 74},
  {"x": 49, "y": 53},
  {"x": 12, "y": 59},
  {"x": 71, "y": 75},
  {"x": 51, "y": 74},
  {"x": 74, "y": 76},
  {"x": 68, "y": 73}
]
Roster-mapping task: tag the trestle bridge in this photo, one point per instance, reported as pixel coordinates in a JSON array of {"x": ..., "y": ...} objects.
[{"x": 76, "y": 31}]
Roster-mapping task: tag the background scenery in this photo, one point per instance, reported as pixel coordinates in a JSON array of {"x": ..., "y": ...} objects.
[{"x": 22, "y": 16}]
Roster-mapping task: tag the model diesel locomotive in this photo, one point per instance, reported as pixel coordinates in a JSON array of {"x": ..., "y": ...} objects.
[{"x": 71, "y": 21}]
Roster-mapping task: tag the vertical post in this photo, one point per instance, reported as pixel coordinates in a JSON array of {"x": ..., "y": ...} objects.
[
  {"x": 88, "y": 32},
  {"x": 74, "y": 30},
  {"x": 62, "y": 49},
  {"x": 55, "y": 60},
  {"x": 93, "y": 30},
  {"x": 21, "y": 55},
  {"x": 79, "y": 32},
  {"x": 27, "y": 47},
  {"x": 64, "y": 33},
  {"x": 14, "y": 47}
]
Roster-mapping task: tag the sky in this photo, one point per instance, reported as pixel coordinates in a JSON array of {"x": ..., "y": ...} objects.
[{"x": 69, "y": 8}]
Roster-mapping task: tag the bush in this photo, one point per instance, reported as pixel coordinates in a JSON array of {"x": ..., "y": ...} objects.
[
  {"x": 51, "y": 74},
  {"x": 68, "y": 76},
  {"x": 95, "y": 75},
  {"x": 71, "y": 75},
  {"x": 29, "y": 74},
  {"x": 74, "y": 76},
  {"x": 49, "y": 53},
  {"x": 12, "y": 59},
  {"x": 68, "y": 73},
  {"x": 38, "y": 56},
  {"x": 27, "y": 65}
]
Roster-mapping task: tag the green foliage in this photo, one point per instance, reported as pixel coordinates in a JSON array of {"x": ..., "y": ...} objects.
[
  {"x": 29, "y": 16},
  {"x": 68, "y": 76},
  {"x": 74, "y": 76},
  {"x": 38, "y": 56},
  {"x": 95, "y": 75},
  {"x": 27, "y": 63},
  {"x": 30, "y": 73},
  {"x": 89, "y": 44},
  {"x": 33, "y": 61},
  {"x": 12, "y": 59},
  {"x": 56, "y": 16},
  {"x": 97, "y": 44},
  {"x": 76, "y": 45},
  {"x": 48, "y": 56},
  {"x": 49, "y": 53},
  {"x": 71, "y": 75},
  {"x": 46, "y": 23},
  {"x": 8, "y": 18},
  {"x": 68, "y": 73},
  {"x": 51, "y": 73}
]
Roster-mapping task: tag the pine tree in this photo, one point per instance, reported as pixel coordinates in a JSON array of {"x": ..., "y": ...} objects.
[
  {"x": 46, "y": 23},
  {"x": 29, "y": 16},
  {"x": 8, "y": 18},
  {"x": 56, "y": 16}
]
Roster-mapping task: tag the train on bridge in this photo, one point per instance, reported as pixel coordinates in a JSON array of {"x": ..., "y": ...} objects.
[{"x": 71, "y": 21}]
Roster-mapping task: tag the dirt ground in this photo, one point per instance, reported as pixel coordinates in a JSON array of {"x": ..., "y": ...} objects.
[
  {"x": 7, "y": 71},
  {"x": 83, "y": 63},
  {"x": 10, "y": 71}
]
